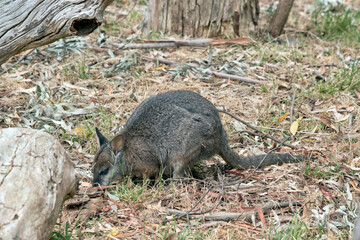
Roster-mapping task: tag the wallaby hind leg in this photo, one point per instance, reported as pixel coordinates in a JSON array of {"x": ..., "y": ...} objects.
[{"x": 181, "y": 164}]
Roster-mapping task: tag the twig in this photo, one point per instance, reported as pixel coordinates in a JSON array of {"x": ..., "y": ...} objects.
[
  {"x": 248, "y": 132},
  {"x": 205, "y": 71},
  {"x": 292, "y": 99},
  {"x": 258, "y": 130},
  {"x": 292, "y": 106},
  {"x": 292, "y": 76},
  {"x": 293, "y": 95}
]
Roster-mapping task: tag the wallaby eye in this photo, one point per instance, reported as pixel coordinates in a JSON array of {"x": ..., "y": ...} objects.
[{"x": 105, "y": 171}]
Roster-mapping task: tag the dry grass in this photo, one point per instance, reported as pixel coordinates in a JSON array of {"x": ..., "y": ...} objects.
[{"x": 323, "y": 74}]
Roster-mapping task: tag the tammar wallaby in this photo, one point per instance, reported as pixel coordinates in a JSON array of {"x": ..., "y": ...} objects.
[{"x": 170, "y": 132}]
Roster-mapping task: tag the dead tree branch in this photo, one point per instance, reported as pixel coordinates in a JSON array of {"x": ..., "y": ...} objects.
[{"x": 28, "y": 24}]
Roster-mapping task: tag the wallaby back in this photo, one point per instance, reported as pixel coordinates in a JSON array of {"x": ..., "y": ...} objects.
[{"x": 170, "y": 132}]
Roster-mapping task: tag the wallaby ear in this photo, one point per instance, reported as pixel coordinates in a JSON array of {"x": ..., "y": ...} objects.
[
  {"x": 102, "y": 140},
  {"x": 117, "y": 143}
]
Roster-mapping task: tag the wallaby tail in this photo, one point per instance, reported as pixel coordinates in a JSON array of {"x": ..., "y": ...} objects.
[{"x": 241, "y": 162}]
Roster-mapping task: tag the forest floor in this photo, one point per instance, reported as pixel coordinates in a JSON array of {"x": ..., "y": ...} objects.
[{"x": 310, "y": 75}]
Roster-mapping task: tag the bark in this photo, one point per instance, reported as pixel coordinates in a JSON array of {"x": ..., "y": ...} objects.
[
  {"x": 27, "y": 24},
  {"x": 36, "y": 176},
  {"x": 207, "y": 18},
  {"x": 280, "y": 17}
]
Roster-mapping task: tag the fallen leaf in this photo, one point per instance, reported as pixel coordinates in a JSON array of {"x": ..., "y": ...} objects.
[
  {"x": 17, "y": 74},
  {"x": 294, "y": 126},
  {"x": 113, "y": 233},
  {"x": 327, "y": 59},
  {"x": 224, "y": 85},
  {"x": 161, "y": 68},
  {"x": 283, "y": 117},
  {"x": 69, "y": 85},
  {"x": 328, "y": 123},
  {"x": 124, "y": 235},
  {"x": 357, "y": 94},
  {"x": 262, "y": 217},
  {"x": 340, "y": 117},
  {"x": 80, "y": 131}
]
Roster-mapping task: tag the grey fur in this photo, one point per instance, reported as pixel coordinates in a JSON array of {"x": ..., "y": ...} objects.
[{"x": 170, "y": 132}]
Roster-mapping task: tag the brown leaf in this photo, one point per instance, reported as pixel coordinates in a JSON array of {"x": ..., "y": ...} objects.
[
  {"x": 262, "y": 217},
  {"x": 328, "y": 123}
]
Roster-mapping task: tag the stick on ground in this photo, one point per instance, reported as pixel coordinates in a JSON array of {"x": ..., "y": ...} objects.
[{"x": 258, "y": 130}]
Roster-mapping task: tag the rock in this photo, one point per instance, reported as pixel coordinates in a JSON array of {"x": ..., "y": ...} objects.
[
  {"x": 36, "y": 176},
  {"x": 356, "y": 231}
]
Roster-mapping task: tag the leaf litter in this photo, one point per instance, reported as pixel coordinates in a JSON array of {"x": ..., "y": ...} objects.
[{"x": 73, "y": 85}]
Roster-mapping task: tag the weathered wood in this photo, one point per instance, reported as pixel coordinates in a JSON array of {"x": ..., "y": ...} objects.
[
  {"x": 280, "y": 17},
  {"x": 36, "y": 176},
  {"x": 27, "y": 24},
  {"x": 199, "y": 18}
]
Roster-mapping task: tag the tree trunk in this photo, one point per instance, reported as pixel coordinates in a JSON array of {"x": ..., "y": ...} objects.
[
  {"x": 207, "y": 18},
  {"x": 27, "y": 24},
  {"x": 280, "y": 17}
]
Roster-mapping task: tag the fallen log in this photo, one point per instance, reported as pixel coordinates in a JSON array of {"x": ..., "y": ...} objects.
[{"x": 27, "y": 24}]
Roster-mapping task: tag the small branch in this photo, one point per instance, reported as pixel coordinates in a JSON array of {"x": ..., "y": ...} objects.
[
  {"x": 228, "y": 216},
  {"x": 292, "y": 106},
  {"x": 292, "y": 110},
  {"x": 205, "y": 71},
  {"x": 258, "y": 130},
  {"x": 292, "y": 99},
  {"x": 183, "y": 42}
]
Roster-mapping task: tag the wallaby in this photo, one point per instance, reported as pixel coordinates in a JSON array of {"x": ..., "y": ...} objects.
[{"x": 170, "y": 132}]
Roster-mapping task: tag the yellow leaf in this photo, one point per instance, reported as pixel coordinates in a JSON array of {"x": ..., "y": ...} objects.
[
  {"x": 327, "y": 59},
  {"x": 294, "y": 126},
  {"x": 283, "y": 117},
  {"x": 80, "y": 131},
  {"x": 113, "y": 233},
  {"x": 160, "y": 68}
]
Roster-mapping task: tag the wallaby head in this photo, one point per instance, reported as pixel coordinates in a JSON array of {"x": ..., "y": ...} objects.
[{"x": 107, "y": 161}]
